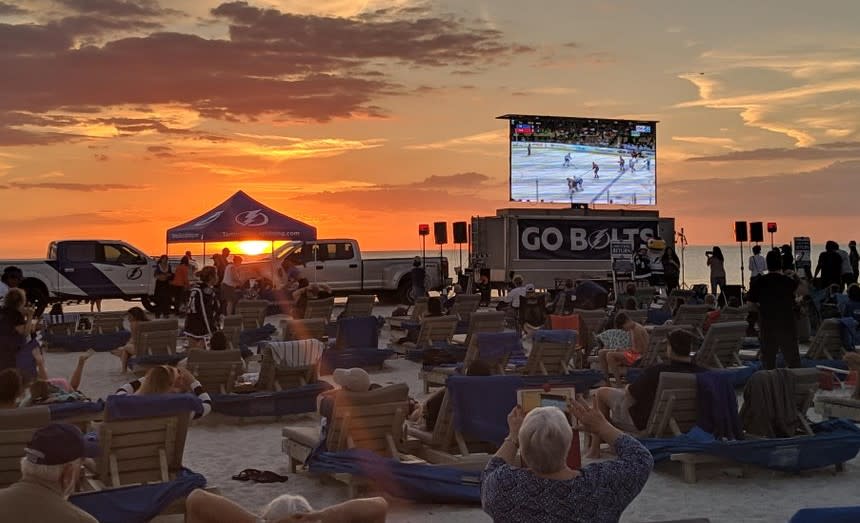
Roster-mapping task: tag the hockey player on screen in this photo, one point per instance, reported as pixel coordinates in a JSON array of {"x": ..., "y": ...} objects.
[
  {"x": 529, "y": 150},
  {"x": 574, "y": 184},
  {"x": 566, "y": 160},
  {"x": 632, "y": 163},
  {"x": 648, "y": 163},
  {"x": 596, "y": 169},
  {"x": 620, "y": 164}
]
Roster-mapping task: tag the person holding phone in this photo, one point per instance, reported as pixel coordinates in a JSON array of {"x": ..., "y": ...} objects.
[{"x": 543, "y": 488}]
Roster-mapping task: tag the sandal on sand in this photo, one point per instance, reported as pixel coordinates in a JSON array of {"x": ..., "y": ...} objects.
[
  {"x": 267, "y": 476},
  {"x": 247, "y": 475}
]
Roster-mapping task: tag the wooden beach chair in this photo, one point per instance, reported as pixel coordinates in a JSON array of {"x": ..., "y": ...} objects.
[
  {"x": 827, "y": 342},
  {"x": 693, "y": 315},
  {"x": 730, "y": 314},
  {"x": 593, "y": 322},
  {"x": 155, "y": 337},
  {"x": 108, "y": 322},
  {"x": 444, "y": 445},
  {"x": 465, "y": 305},
  {"x": 490, "y": 321},
  {"x": 253, "y": 313},
  {"x": 640, "y": 316},
  {"x": 232, "y": 330},
  {"x": 289, "y": 364},
  {"x": 675, "y": 408},
  {"x": 721, "y": 346},
  {"x": 549, "y": 358},
  {"x": 216, "y": 370},
  {"x": 435, "y": 330},
  {"x": 358, "y": 306},
  {"x": 292, "y": 330},
  {"x": 645, "y": 296},
  {"x": 480, "y": 322},
  {"x": 419, "y": 309},
  {"x": 319, "y": 309},
  {"x": 16, "y": 430},
  {"x": 658, "y": 339}
]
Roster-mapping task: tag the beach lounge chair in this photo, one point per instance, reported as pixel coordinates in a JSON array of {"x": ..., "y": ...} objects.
[
  {"x": 232, "y": 330},
  {"x": 419, "y": 309},
  {"x": 827, "y": 342},
  {"x": 16, "y": 429},
  {"x": 289, "y": 364},
  {"x": 693, "y": 315},
  {"x": 358, "y": 306},
  {"x": 371, "y": 420},
  {"x": 303, "y": 329},
  {"x": 675, "y": 409},
  {"x": 465, "y": 305},
  {"x": 253, "y": 313},
  {"x": 107, "y": 322},
  {"x": 658, "y": 337},
  {"x": 319, "y": 309},
  {"x": 728, "y": 314},
  {"x": 494, "y": 348},
  {"x": 592, "y": 323},
  {"x": 479, "y": 322},
  {"x": 721, "y": 346},
  {"x": 551, "y": 353},
  {"x": 444, "y": 445},
  {"x": 216, "y": 370},
  {"x": 645, "y": 296},
  {"x": 640, "y": 316},
  {"x": 532, "y": 313},
  {"x": 434, "y": 331},
  {"x": 142, "y": 439},
  {"x": 155, "y": 344},
  {"x": 356, "y": 345}
]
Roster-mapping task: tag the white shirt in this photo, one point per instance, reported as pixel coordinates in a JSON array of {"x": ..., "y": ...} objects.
[
  {"x": 757, "y": 265},
  {"x": 4, "y": 290},
  {"x": 232, "y": 276},
  {"x": 513, "y": 297}
]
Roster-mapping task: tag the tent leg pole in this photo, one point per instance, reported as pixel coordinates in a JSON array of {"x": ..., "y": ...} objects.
[{"x": 204, "y": 256}]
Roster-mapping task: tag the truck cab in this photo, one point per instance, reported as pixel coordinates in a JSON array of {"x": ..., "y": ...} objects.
[
  {"x": 335, "y": 262},
  {"x": 100, "y": 269}
]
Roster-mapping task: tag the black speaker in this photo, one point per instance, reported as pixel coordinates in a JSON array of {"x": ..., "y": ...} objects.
[
  {"x": 740, "y": 231},
  {"x": 461, "y": 235},
  {"x": 440, "y": 232},
  {"x": 756, "y": 232}
]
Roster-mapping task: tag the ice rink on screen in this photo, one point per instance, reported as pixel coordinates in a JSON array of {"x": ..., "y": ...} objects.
[{"x": 543, "y": 175}]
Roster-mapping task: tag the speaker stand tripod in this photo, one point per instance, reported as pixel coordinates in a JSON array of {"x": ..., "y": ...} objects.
[{"x": 682, "y": 239}]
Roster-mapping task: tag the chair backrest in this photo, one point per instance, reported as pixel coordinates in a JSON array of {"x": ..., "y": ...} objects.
[
  {"x": 419, "y": 309},
  {"x": 232, "y": 330},
  {"x": 658, "y": 338},
  {"x": 465, "y": 305},
  {"x": 357, "y": 333},
  {"x": 371, "y": 420},
  {"x": 443, "y": 430},
  {"x": 806, "y": 383},
  {"x": 436, "y": 330},
  {"x": 721, "y": 345},
  {"x": 645, "y": 296},
  {"x": 107, "y": 322},
  {"x": 728, "y": 314},
  {"x": 551, "y": 353},
  {"x": 289, "y": 364},
  {"x": 640, "y": 316},
  {"x": 595, "y": 320},
  {"x": 568, "y": 322},
  {"x": 13, "y": 442},
  {"x": 154, "y": 337},
  {"x": 319, "y": 309},
  {"x": 216, "y": 370},
  {"x": 358, "y": 306},
  {"x": 303, "y": 329},
  {"x": 675, "y": 405},
  {"x": 253, "y": 313},
  {"x": 827, "y": 342},
  {"x": 694, "y": 315},
  {"x": 481, "y": 322},
  {"x": 494, "y": 348},
  {"x": 142, "y": 449}
]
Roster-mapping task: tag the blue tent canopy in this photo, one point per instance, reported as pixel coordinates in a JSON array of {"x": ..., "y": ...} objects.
[{"x": 241, "y": 218}]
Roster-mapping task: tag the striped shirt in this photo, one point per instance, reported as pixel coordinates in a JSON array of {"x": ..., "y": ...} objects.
[{"x": 196, "y": 388}]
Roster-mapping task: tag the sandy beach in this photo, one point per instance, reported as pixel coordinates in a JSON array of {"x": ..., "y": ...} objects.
[{"x": 219, "y": 447}]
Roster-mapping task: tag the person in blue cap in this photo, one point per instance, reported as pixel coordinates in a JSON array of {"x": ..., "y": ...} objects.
[{"x": 50, "y": 470}]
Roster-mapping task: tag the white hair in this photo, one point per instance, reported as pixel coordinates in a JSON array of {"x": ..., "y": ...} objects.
[
  {"x": 285, "y": 506},
  {"x": 49, "y": 473},
  {"x": 545, "y": 437}
]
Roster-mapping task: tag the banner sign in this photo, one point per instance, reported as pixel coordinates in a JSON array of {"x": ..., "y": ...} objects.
[
  {"x": 619, "y": 250},
  {"x": 802, "y": 249},
  {"x": 578, "y": 239}
]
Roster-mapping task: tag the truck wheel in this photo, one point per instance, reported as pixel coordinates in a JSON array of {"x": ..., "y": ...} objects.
[
  {"x": 37, "y": 294},
  {"x": 405, "y": 293},
  {"x": 148, "y": 303}
]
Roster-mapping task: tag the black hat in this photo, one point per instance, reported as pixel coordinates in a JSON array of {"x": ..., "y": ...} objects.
[{"x": 60, "y": 443}]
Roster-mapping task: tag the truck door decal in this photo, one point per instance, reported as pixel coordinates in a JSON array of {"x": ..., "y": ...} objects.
[{"x": 561, "y": 239}]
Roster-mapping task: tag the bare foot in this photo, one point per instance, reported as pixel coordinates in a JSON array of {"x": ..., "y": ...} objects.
[{"x": 85, "y": 356}]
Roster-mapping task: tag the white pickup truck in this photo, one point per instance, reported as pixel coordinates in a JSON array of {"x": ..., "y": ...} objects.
[
  {"x": 87, "y": 270},
  {"x": 338, "y": 263}
]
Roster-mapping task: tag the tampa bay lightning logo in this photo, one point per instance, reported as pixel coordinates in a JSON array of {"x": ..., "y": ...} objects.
[
  {"x": 134, "y": 273},
  {"x": 209, "y": 219},
  {"x": 599, "y": 239},
  {"x": 255, "y": 218}
]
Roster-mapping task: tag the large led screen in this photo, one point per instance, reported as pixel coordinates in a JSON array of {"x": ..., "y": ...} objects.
[{"x": 582, "y": 160}]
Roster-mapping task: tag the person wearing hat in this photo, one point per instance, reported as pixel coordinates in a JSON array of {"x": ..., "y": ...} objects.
[
  {"x": 10, "y": 279},
  {"x": 629, "y": 408},
  {"x": 642, "y": 266},
  {"x": 50, "y": 470}
]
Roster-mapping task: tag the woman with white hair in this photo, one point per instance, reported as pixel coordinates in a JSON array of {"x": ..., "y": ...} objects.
[
  {"x": 203, "y": 507},
  {"x": 544, "y": 488}
]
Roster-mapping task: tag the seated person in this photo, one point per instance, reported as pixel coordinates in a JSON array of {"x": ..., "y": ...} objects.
[
  {"x": 629, "y": 408},
  {"x": 204, "y": 507},
  {"x": 629, "y": 293},
  {"x": 45, "y": 390},
  {"x": 512, "y": 298},
  {"x": 313, "y": 291},
  {"x": 850, "y": 307},
  {"x": 165, "y": 379},
  {"x": 564, "y": 300},
  {"x": 429, "y": 409},
  {"x": 483, "y": 287},
  {"x": 136, "y": 316},
  {"x": 544, "y": 488},
  {"x": 614, "y": 361},
  {"x": 448, "y": 303},
  {"x": 11, "y": 388},
  {"x": 218, "y": 341},
  {"x": 434, "y": 309},
  {"x": 630, "y": 304}
]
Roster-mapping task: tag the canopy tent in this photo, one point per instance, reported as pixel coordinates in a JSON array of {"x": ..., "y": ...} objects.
[{"x": 240, "y": 218}]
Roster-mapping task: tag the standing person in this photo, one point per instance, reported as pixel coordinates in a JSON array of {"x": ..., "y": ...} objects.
[
  {"x": 10, "y": 279},
  {"x": 16, "y": 324},
  {"x": 716, "y": 261},
  {"x": 854, "y": 260},
  {"x": 642, "y": 266},
  {"x": 829, "y": 265},
  {"x": 787, "y": 258},
  {"x": 203, "y": 311},
  {"x": 774, "y": 293},
  {"x": 757, "y": 264},
  {"x": 221, "y": 263},
  {"x": 163, "y": 293},
  {"x": 231, "y": 285},
  {"x": 192, "y": 262},
  {"x": 49, "y": 474},
  {"x": 419, "y": 277},
  {"x": 180, "y": 284},
  {"x": 671, "y": 269},
  {"x": 596, "y": 169},
  {"x": 847, "y": 272},
  {"x": 484, "y": 289},
  {"x": 96, "y": 304}
]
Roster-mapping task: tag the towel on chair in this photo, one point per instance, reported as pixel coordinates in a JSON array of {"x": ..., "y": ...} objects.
[{"x": 296, "y": 353}]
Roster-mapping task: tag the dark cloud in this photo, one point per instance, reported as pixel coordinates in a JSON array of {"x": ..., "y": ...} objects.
[
  {"x": 30, "y": 40},
  {"x": 73, "y": 187},
  {"x": 465, "y": 180},
  {"x": 825, "y": 151},
  {"x": 820, "y": 192},
  {"x": 91, "y": 26},
  {"x": 100, "y": 157},
  {"x": 161, "y": 151},
  {"x": 116, "y": 8},
  {"x": 11, "y": 10},
  {"x": 11, "y": 137}
]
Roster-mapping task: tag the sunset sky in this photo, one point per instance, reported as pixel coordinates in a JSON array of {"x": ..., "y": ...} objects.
[{"x": 121, "y": 118}]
